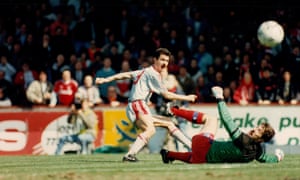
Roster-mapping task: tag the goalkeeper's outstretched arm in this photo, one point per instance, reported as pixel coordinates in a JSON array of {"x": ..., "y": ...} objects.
[
  {"x": 230, "y": 126},
  {"x": 271, "y": 158}
]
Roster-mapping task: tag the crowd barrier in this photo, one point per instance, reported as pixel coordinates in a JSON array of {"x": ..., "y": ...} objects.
[{"x": 36, "y": 131}]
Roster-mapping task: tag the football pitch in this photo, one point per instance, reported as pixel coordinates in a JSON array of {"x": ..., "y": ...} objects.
[{"x": 150, "y": 166}]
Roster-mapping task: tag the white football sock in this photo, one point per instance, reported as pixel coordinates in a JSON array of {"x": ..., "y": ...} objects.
[
  {"x": 138, "y": 144},
  {"x": 181, "y": 137}
]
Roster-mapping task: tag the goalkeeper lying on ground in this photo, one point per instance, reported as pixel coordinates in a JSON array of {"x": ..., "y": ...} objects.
[{"x": 243, "y": 147}]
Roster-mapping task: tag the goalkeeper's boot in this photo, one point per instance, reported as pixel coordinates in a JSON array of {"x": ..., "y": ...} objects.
[
  {"x": 217, "y": 92},
  {"x": 130, "y": 158},
  {"x": 164, "y": 156}
]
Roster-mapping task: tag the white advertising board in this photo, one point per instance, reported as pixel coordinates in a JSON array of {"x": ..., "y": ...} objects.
[{"x": 284, "y": 119}]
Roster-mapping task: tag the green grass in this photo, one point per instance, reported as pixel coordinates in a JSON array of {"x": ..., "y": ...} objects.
[{"x": 109, "y": 166}]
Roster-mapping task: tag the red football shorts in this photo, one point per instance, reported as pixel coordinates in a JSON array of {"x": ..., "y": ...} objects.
[{"x": 201, "y": 144}]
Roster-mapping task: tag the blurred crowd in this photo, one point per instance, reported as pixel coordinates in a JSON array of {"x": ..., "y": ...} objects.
[{"x": 52, "y": 50}]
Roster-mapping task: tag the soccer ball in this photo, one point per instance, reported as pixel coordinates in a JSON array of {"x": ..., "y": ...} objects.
[{"x": 270, "y": 33}]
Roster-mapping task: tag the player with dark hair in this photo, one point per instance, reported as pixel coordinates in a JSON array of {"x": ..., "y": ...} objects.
[
  {"x": 145, "y": 82},
  {"x": 244, "y": 147}
]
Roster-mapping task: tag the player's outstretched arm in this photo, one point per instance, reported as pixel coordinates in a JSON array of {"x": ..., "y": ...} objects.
[
  {"x": 180, "y": 97},
  {"x": 272, "y": 158},
  {"x": 125, "y": 75}
]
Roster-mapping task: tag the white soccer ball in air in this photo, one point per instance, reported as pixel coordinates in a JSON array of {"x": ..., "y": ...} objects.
[{"x": 270, "y": 33}]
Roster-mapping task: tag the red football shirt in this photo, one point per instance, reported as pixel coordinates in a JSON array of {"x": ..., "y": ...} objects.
[{"x": 65, "y": 91}]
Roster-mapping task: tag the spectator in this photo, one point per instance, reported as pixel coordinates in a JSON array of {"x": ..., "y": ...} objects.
[
  {"x": 194, "y": 70},
  {"x": 58, "y": 67},
  {"x": 173, "y": 66},
  {"x": 8, "y": 45},
  {"x": 61, "y": 43},
  {"x": 286, "y": 90},
  {"x": 185, "y": 80},
  {"x": 227, "y": 93},
  {"x": 246, "y": 65},
  {"x": 203, "y": 57},
  {"x": 22, "y": 35},
  {"x": 265, "y": 88},
  {"x": 173, "y": 43},
  {"x": 4, "y": 99},
  {"x": 89, "y": 92},
  {"x": 59, "y": 23},
  {"x": 295, "y": 62},
  {"x": 197, "y": 23},
  {"x": 155, "y": 40},
  {"x": 237, "y": 56},
  {"x": 39, "y": 22},
  {"x": 124, "y": 24},
  {"x": 182, "y": 58},
  {"x": 65, "y": 89},
  {"x": 92, "y": 50},
  {"x": 202, "y": 90},
  {"x": 78, "y": 72},
  {"x": 173, "y": 86},
  {"x": 82, "y": 33},
  {"x": 8, "y": 69},
  {"x": 264, "y": 64},
  {"x": 211, "y": 74},
  {"x": 218, "y": 64},
  {"x": 72, "y": 61},
  {"x": 105, "y": 71},
  {"x": 29, "y": 49},
  {"x": 45, "y": 53},
  {"x": 127, "y": 56},
  {"x": 245, "y": 92},
  {"x": 124, "y": 85},
  {"x": 112, "y": 41},
  {"x": 115, "y": 57},
  {"x": 133, "y": 46},
  {"x": 218, "y": 80},
  {"x": 188, "y": 39},
  {"x": 145, "y": 37},
  {"x": 142, "y": 57},
  {"x": 97, "y": 64},
  {"x": 230, "y": 70},
  {"x": 85, "y": 122},
  {"x": 16, "y": 57},
  {"x": 6, "y": 89},
  {"x": 84, "y": 59},
  {"x": 40, "y": 92},
  {"x": 113, "y": 98},
  {"x": 22, "y": 80}
]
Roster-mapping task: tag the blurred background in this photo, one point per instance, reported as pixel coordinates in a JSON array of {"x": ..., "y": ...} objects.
[{"x": 214, "y": 41}]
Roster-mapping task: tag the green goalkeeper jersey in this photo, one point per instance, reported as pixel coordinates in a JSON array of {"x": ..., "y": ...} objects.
[
  {"x": 242, "y": 148},
  {"x": 221, "y": 151}
]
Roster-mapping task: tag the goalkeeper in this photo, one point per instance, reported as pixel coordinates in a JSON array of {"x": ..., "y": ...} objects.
[{"x": 243, "y": 147}]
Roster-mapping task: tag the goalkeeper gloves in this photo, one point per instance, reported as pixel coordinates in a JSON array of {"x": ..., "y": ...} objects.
[{"x": 280, "y": 154}]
